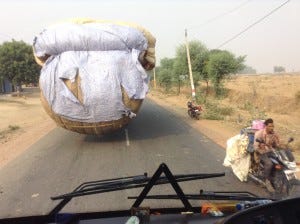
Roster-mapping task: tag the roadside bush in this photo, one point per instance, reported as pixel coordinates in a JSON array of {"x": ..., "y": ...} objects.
[
  {"x": 247, "y": 106},
  {"x": 297, "y": 97},
  {"x": 9, "y": 130},
  {"x": 13, "y": 127},
  {"x": 226, "y": 111},
  {"x": 200, "y": 99},
  {"x": 215, "y": 112}
]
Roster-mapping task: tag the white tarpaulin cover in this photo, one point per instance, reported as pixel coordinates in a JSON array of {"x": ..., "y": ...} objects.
[
  {"x": 88, "y": 37},
  {"x": 104, "y": 56},
  {"x": 237, "y": 156}
]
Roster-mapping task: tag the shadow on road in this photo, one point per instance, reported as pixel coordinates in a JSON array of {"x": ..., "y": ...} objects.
[
  {"x": 113, "y": 137},
  {"x": 152, "y": 121}
]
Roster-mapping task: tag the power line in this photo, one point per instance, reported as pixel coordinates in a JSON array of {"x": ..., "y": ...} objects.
[
  {"x": 253, "y": 24},
  {"x": 220, "y": 15}
]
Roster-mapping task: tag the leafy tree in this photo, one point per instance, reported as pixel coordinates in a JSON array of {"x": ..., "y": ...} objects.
[
  {"x": 278, "y": 69},
  {"x": 220, "y": 65},
  {"x": 198, "y": 56},
  {"x": 180, "y": 72},
  {"x": 247, "y": 70},
  {"x": 164, "y": 72},
  {"x": 214, "y": 66},
  {"x": 167, "y": 63},
  {"x": 17, "y": 63}
]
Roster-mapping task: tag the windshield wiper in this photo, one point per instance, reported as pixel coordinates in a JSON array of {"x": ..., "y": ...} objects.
[
  {"x": 125, "y": 183},
  {"x": 117, "y": 184}
]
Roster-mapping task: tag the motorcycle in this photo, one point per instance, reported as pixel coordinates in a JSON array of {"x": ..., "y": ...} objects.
[
  {"x": 194, "y": 111},
  {"x": 283, "y": 172}
]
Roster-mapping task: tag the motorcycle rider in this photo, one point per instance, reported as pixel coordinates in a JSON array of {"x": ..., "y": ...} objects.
[
  {"x": 270, "y": 140},
  {"x": 192, "y": 106},
  {"x": 193, "y": 109}
]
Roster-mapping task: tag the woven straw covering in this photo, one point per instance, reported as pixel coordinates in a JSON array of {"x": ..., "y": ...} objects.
[{"x": 98, "y": 128}]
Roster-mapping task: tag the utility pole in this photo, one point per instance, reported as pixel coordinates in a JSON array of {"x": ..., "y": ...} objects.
[{"x": 190, "y": 66}]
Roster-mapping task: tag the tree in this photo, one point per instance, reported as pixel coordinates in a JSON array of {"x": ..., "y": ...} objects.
[
  {"x": 199, "y": 57},
  {"x": 17, "y": 63},
  {"x": 220, "y": 65},
  {"x": 179, "y": 72},
  {"x": 167, "y": 63},
  {"x": 247, "y": 70},
  {"x": 164, "y": 72},
  {"x": 278, "y": 69}
]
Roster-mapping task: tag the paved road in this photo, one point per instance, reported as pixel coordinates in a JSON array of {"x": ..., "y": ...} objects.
[{"x": 62, "y": 160}]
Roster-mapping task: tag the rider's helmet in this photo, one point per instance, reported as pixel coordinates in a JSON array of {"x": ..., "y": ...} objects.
[{"x": 189, "y": 104}]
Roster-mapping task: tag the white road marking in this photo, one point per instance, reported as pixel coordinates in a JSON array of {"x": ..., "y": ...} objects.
[
  {"x": 35, "y": 195},
  {"x": 127, "y": 138}
]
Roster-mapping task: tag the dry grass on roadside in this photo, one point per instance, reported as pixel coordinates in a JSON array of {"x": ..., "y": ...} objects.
[
  {"x": 11, "y": 129},
  {"x": 4, "y": 100},
  {"x": 214, "y": 111},
  {"x": 250, "y": 97},
  {"x": 297, "y": 97}
]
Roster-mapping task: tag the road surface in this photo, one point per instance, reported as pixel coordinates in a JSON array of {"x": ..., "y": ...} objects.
[{"x": 62, "y": 160}]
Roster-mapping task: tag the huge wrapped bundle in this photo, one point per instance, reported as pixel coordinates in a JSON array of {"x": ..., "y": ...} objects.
[{"x": 94, "y": 78}]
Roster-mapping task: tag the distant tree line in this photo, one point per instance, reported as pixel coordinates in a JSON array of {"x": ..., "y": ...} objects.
[
  {"x": 208, "y": 66},
  {"x": 17, "y": 63},
  {"x": 278, "y": 69},
  {"x": 247, "y": 70}
]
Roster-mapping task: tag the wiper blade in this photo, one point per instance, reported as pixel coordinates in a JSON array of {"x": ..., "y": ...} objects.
[
  {"x": 103, "y": 186},
  {"x": 231, "y": 196}
]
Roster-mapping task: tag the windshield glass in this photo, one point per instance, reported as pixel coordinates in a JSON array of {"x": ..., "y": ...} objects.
[{"x": 86, "y": 94}]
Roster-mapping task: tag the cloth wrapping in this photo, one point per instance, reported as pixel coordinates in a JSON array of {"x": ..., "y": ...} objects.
[
  {"x": 237, "y": 156},
  {"x": 88, "y": 37},
  {"x": 104, "y": 56}
]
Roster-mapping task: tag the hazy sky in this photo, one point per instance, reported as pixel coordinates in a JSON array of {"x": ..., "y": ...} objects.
[{"x": 275, "y": 41}]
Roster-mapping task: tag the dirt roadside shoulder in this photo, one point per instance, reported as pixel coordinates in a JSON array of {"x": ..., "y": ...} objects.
[
  {"x": 23, "y": 122},
  {"x": 22, "y": 140},
  {"x": 218, "y": 131}
]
